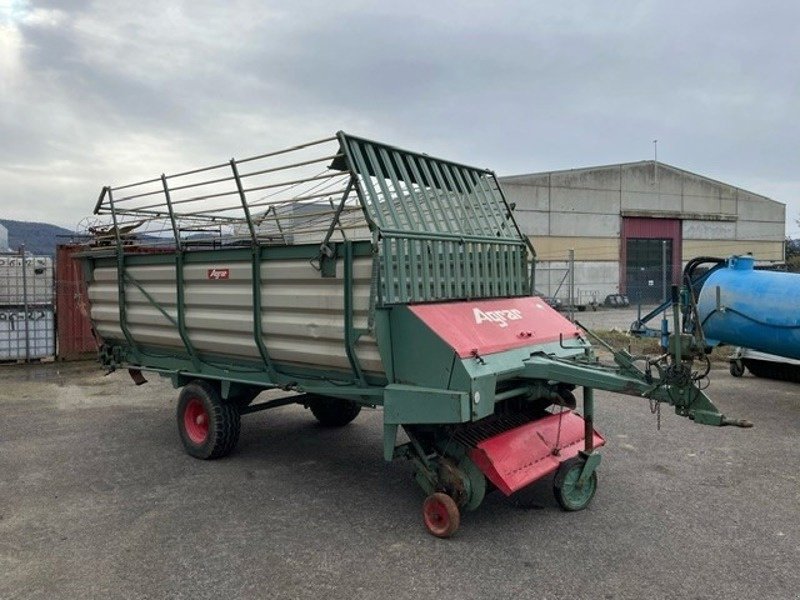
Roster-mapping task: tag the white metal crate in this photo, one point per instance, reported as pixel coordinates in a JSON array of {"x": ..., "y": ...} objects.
[
  {"x": 25, "y": 336},
  {"x": 32, "y": 283}
]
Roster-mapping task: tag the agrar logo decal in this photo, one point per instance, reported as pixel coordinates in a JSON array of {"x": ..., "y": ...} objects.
[
  {"x": 501, "y": 317},
  {"x": 218, "y": 274}
]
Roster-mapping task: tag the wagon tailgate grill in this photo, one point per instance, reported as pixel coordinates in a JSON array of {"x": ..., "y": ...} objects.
[
  {"x": 424, "y": 269},
  {"x": 446, "y": 230}
]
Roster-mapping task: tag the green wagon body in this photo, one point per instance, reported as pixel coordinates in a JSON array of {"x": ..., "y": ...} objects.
[{"x": 405, "y": 283}]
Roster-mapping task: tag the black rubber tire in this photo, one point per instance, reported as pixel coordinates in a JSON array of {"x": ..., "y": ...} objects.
[
  {"x": 537, "y": 408},
  {"x": 333, "y": 412},
  {"x": 773, "y": 370},
  {"x": 758, "y": 368},
  {"x": 223, "y": 421},
  {"x": 569, "y": 399},
  {"x": 736, "y": 368}
]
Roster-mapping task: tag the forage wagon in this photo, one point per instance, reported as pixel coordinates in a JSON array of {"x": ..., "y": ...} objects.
[{"x": 351, "y": 273}]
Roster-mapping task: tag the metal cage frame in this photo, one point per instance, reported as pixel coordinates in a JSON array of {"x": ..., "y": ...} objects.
[{"x": 440, "y": 230}]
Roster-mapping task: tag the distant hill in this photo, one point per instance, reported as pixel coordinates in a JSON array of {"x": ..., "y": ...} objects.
[{"x": 39, "y": 238}]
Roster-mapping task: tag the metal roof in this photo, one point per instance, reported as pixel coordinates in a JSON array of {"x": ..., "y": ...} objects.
[{"x": 640, "y": 163}]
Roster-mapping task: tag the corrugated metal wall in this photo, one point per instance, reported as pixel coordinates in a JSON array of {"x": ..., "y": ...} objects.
[{"x": 74, "y": 330}]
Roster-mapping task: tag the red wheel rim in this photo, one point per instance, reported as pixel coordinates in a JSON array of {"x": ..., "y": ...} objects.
[
  {"x": 436, "y": 515},
  {"x": 195, "y": 421}
]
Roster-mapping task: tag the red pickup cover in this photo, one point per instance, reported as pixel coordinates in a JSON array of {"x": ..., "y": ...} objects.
[
  {"x": 518, "y": 457},
  {"x": 488, "y": 326}
]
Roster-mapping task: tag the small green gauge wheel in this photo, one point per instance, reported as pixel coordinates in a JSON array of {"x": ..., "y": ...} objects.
[
  {"x": 737, "y": 368},
  {"x": 569, "y": 494},
  {"x": 441, "y": 515}
]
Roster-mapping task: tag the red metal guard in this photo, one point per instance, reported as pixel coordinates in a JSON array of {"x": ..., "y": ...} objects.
[
  {"x": 520, "y": 456},
  {"x": 488, "y": 326}
]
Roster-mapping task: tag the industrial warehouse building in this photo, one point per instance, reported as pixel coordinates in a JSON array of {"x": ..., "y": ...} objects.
[{"x": 621, "y": 219}]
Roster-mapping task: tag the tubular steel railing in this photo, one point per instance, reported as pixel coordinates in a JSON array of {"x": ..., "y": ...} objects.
[{"x": 441, "y": 230}]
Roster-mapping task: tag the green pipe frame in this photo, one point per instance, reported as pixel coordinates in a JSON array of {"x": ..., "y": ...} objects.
[
  {"x": 123, "y": 315},
  {"x": 350, "y": 333},
  {"x": 180, "y": 304},
  {"x": 688, "y": 401},
  {"x": 255, "y": 275}
]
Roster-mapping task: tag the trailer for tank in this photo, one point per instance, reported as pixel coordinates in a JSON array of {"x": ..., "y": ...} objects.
[
  {"x": 764, "y": 365},
  {"x": 352, "y": 274},
  {"x": 732, "y": 301}
]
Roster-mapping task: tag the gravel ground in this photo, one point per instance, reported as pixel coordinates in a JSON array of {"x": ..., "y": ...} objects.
[
  {"x": 98, "y": 500},
  {"x": 606, "y": 319}
]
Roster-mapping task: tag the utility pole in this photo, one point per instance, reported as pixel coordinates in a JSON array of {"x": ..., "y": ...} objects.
[
  {"x": 25, "y": 303},
  {"x": 664, "y": 323},
  {"x": 655, "y": 162},
  {"x": 663, "y": 269},
  {"x": 571, "y": 260}
]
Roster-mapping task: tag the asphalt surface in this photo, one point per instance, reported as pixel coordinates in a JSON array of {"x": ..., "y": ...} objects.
[{"x": 98, "y": 500}]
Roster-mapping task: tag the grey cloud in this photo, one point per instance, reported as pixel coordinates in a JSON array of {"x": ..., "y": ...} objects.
[{"x": 512, "y": 86}]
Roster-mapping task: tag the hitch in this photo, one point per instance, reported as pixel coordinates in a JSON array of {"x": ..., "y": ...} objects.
[{"x": 744, "y": 423}]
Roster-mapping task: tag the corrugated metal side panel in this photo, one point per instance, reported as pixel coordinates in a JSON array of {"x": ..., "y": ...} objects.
[
  {"x": 302, "y": 312},
  {"x": 651, "y": 228},
  {"x": 74, "y": 329}
]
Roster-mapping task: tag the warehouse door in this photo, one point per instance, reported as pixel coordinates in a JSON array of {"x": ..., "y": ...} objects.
[
  {"x": 645, "y": 269},
  {"x": 642, "y": 264}
]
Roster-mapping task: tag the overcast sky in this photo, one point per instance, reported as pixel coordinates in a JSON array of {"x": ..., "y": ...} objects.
[{"x": 106, "y": 92}]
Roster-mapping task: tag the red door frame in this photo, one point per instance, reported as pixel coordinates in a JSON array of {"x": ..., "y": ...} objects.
[{"x": 651, "y": 228}]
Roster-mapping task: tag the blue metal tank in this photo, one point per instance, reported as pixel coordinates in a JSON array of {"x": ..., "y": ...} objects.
[{"x": 754, "y": 309}]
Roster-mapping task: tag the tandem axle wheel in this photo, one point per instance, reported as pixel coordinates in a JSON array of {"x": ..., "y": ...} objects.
[{"x": 209, "y": 427}]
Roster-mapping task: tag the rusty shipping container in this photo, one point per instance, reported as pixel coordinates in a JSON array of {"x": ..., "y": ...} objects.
[{"x": 74, "y": 330}]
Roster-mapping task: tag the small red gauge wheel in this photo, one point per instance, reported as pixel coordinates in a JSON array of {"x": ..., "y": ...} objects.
[{"x": 441, "y": 515}]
